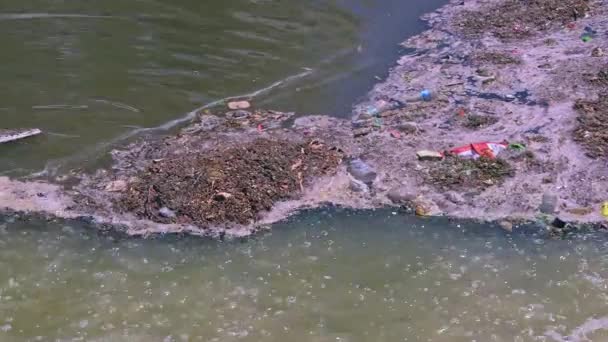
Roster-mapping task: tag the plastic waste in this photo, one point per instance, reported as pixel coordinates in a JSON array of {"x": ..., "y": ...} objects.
[
  {"x": 605, "y": 209},
  {"x": 548, "y": 204},
  {"x": 234, "y": 105},
  {"x": 382, "y": 106},
  {"x": 517, "y": 147},
  {"x": 480, "y": 149},
  {"x": 362, "y": 171}
]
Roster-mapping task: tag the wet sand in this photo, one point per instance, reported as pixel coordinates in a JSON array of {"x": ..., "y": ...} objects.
[{"x": 487, "y": 86}]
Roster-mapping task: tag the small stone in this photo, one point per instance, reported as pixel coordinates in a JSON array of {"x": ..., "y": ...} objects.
[
  {"x": 116, "y": 186},
  {"x": 408, "y": 128},
  {"x": 166, "y": 212},
  {"x": 506, "y": 225},
  {"x": 597, "y": 52},
  {"x": 238, "y": 114},
  {"x": 429, "y": 155},
  {"x": 425, "y": 207},
  {"x": 358, "y": 186},
  {"x": 548, "y": 204},
  {"x": 455, "y": 197},
  {"x": 558, "y": 223},
  {"x": 362, "y": 131},
  {"x": 400, "y": 195},
  {"x": 239, "y": 105}
]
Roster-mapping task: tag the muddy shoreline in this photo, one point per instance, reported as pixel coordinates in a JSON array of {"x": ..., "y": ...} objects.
[{"x": 536, "y": 84}]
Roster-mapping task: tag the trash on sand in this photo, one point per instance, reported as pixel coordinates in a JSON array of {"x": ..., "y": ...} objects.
[
  {"x": 377, "y": 122},
  {"x": 586, "y": 38},
  {"x": 517, "y": 147},
  {"x": 234, "y": 105},
  {"x": 395, "y": 133},
  {"x": 382, "y": 106},
  {"x": 425, "y": 207},
  {"x": 362, "y": 171},
  {"x": 548, "y": 204},
  {"x": 482, "y": 149},
  {"x": 425, "y": 95},
  {"x": 359, "y": 132},
  {"x": 429, "y": 155},
  {"x": 597, "y": 52},
  {"x": 260, "y": 128},
  {"x": 166, "y": 212},
  {"x": 605, "y": 209},
  {"x": 8, "y": 135}
]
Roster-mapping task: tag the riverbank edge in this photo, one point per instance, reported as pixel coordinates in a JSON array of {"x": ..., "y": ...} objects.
[{"x": 311, "y": 200}]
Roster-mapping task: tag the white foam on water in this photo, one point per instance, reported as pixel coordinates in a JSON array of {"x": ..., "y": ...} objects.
[{"x": 30, "y": 16}]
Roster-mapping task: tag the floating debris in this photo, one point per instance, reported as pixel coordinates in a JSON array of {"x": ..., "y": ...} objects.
[{"x": 8, "y": 135}]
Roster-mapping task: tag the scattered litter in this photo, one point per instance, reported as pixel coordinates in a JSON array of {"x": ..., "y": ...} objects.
[
  {"x": 429, "y": 155},
  {"x": 166, "y": 212},
  {"x": 482, "y": 149},
  {"x": 8, "y": 135},
  {"x": 395, "y": 134},
  {"x": 382, "y": 106},
  {"x": 597, "y": 52},
  {"x": 361, "y": 171},
  {"x": 548, "y": 204},
  {"x": 239, "y": 105},
  {"x": 517, "y": 147},
  {"x": 605, "y": 209},
  {"x": 260, "y": 128}
]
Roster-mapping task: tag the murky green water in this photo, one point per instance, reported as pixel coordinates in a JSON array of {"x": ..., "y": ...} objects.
[
  {"x": 325, "y": 276},
  {"x": 92, "y": 73}
]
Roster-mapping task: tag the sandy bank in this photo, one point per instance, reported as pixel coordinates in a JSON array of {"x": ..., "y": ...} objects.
[{"x": 534, "y": 76}]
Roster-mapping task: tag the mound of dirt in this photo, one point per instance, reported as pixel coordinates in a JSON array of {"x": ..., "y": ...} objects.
[
  {"x": 458, "y": 173},
  {"x": 475, "y": 121},
  {"x": 600, "y": 79},
  {"x": 496, "y": 58},
  {"x": 521, "y": 18},
  {"x": 592, "y": 130},
  {"x": 227, "y": 186}
]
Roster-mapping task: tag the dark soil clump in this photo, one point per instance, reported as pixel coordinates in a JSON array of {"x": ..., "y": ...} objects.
[
  {"x": 227, "y": 186},
  {"x": 600, "y": 79},
  {"x": 521, "y": 18},
  {"x": 497, "y": 58},
  {"x": 475, "y": 121},
  {"x": 592, "y": 130},
  {"x": 457, "y": 173}
]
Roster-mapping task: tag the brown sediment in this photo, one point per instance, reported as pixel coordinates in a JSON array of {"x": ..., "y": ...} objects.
[
  {"x": 468, "y": 174},
  {"x": 592, "y": 130},
  {"x": 497, "y": 58},
  {"x": 521, "y": 19},
  {"x": 231, "y": 185},
  {"x": 475, "y": 121}
]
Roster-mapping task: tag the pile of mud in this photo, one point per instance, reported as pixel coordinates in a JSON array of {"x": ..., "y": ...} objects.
[
  {"x": 454, "y": 173},
  {"x": 592, "y": 130},
  {"x": 226, "y": 186},
  {"x": 521, "y": 18}
]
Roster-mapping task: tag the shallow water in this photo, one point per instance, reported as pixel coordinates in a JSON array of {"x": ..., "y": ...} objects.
[{"x": 323, "y": 276}]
